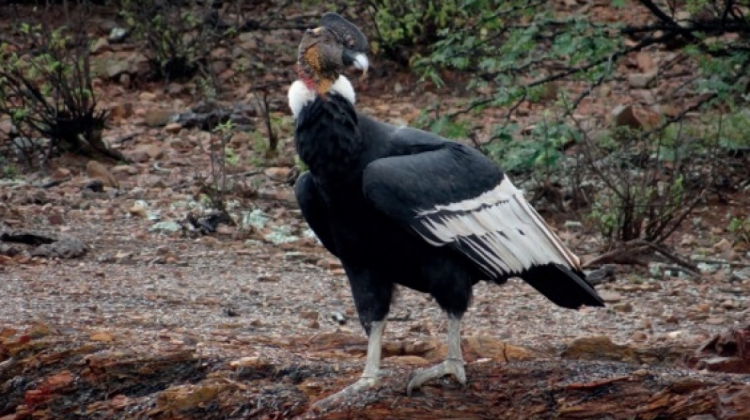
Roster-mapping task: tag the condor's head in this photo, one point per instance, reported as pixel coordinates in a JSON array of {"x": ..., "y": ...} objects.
[{"x": 324, "y": 54}]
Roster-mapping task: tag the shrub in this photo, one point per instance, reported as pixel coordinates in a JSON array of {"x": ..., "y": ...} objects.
[
  {"x": 46, "y": 89},
  {"x": 740, "y": 229},
  {"x": 512, "y": 53},
  {"x": 177, "y": 36},
  {"x": 402, "y": 28}
]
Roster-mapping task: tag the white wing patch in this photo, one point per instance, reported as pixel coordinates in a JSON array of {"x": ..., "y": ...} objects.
[{"x": 499, "y": 230}]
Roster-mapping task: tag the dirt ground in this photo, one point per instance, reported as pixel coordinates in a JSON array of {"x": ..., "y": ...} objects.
[
  {"x": 213, "y": 328},
  {"x": 255, "y": 321}
]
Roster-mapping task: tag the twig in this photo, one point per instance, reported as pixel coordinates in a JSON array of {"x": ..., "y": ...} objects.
[
  {"x": 638, "y": 245},
  {"x": 475, "y": 141},
  {"x": 671, "y": 120},
  {"x": 245, "y": 174},
  {"x": 589, "y": 156},
  {"x": 692, "y": 268},
  {"x": 720, "y": 262},
  {"x": 618, "y": 255},
  {"x": 578, "y": 69},
  {"x": 127, "y": 138},
  {"x": 668, "y": 268},
  {"x": 55, "y": 182},
  {"x": 677, "y": 221},
  {"x": 158, "y": 168},
  {"x": 668, "y": 21}
]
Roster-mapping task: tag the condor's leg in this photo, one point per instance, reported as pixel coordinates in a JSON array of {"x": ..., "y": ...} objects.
[
  {"x": 452, "y": 365},
  {"x": 452, "y": 289},
  {"x": 372, "y": 297}
]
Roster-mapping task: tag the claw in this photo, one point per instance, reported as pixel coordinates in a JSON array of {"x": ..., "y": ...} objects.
[
  {"x": 345, "y": 394},
  {"x": 448, "y": 367}
]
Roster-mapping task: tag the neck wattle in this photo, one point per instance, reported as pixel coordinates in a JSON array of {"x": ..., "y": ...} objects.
[
  {"x": 305, "y": 77},
  {"x": 323, "y": 84}
]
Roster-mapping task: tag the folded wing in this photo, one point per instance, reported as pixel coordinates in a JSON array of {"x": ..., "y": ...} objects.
[{"x": 455, "y": 196}]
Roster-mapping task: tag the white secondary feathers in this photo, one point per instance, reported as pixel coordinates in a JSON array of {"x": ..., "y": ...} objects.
[
  {"x": 299, "y": 95},
  {"x": 499, "y": 230}
]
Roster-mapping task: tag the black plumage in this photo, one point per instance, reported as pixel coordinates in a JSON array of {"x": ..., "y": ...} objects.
[
  {"x": 401, "y": 206},
  {"x": 366, "y": 183}
]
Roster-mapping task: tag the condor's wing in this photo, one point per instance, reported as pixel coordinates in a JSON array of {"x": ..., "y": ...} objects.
[
  {"x": 455, "y": 196},
  {"x": 311, "y": 205}
]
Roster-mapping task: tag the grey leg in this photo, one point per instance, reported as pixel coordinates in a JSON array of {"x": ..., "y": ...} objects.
[
  {"x": 453, "y": 364},
  {"x": 369, "y": 377}
]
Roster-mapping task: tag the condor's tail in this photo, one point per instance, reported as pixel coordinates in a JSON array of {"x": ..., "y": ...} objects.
[{"x": 563, "y": 286}]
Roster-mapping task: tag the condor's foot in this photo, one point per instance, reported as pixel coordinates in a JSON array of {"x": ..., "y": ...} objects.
[
  {"x": 346, "y": 394},
  {"x": 453, "y": 367},
  {"x": 369, "y": 378}
]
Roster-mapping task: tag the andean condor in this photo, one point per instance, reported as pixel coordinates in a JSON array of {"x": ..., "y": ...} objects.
[{"x": 401, "y": 206}]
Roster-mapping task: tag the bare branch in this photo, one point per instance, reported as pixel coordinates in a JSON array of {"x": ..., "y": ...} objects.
[{"x": 670, "y": 23}]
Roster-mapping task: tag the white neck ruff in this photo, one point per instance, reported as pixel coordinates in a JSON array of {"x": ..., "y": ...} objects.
[{"x": 299, "y": 95}]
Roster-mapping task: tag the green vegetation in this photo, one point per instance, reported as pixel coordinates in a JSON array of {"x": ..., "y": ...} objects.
[
  {"x": 631, "y": 180},
  {"x": 177, "y": 36},
  {"x": 7, "y": 168},
  {"x": 512, "y": 53},
  {"x": 231, "y": 157},
  {"x": 414, "y": 24},
  {"x": 215, "y": 189},
  {"x": 740, "y": 229}
]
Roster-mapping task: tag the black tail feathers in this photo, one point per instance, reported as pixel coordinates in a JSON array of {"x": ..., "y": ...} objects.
[{"x": 564, "y": 287}]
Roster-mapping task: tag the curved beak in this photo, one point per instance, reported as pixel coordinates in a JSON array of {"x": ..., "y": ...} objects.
[
  {"x": 356, "y": 59},
  {"x": 361, "y": 62}
]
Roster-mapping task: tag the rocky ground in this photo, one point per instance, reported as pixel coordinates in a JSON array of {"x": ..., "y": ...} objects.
[{"x": 120, "y": 307}]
